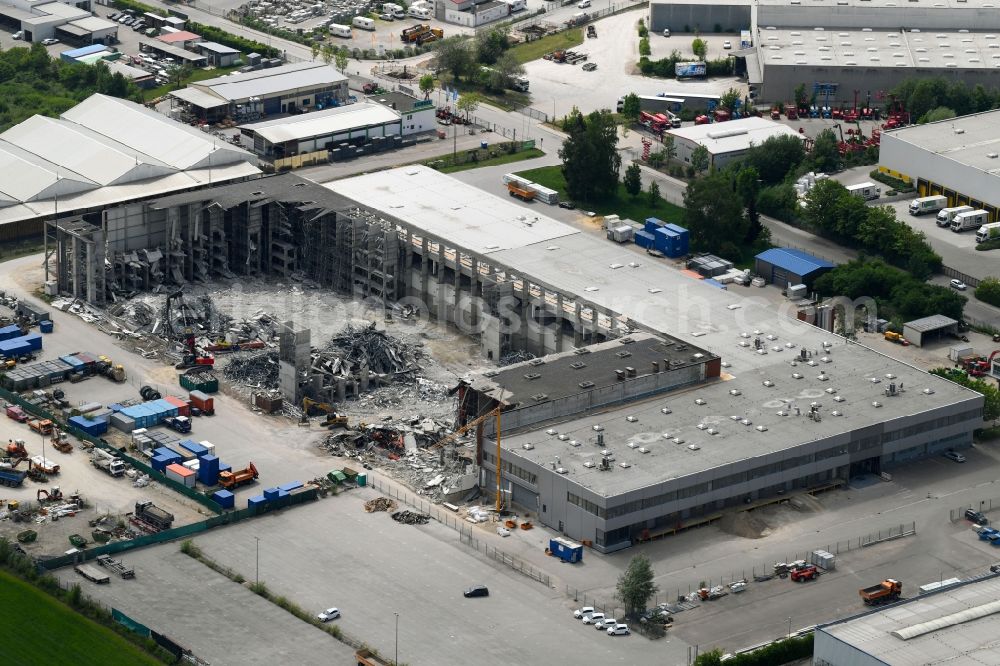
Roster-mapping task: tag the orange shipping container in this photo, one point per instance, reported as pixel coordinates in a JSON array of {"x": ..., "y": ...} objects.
[
  {"x": 692, "y": 274},
  {"x": 183, "y": 407}
]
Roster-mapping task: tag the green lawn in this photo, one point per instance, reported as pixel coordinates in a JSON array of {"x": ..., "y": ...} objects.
[
  {"x": 622, "y": 204},
  {"x": 529, "y": 51},
  {"x": 443, "y": 163},
  {"x": 197, "y": 75},
  {"x": 48, "y": 632}
]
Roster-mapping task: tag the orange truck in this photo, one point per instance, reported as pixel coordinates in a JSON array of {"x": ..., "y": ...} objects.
[
  {"x": 522, "y": 193},
  {"x": 239, "y": 477},
  {"x": 366, "y": 657},
  {"x": 885, "y": 592},
  {"x": 41, "y": 426}
]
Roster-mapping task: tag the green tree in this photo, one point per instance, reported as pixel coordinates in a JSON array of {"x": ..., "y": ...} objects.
[
  {"x": 178, "y": 75},
  {"x": 467, "y": 104},
  {"x": 699, "y": 47},
  {"x": 340, "y": 59},
  {"x": 713, "y": 213},
  {"x": 631, "y": 107},
  {"x": 508, "y": 66},
  {"x": 729, "y": 99},
  {"x": 328, "y": 53},
  {"x": 710, "y": 658},
  {"x": 988, "y": 291},
  {"x": 991, "y": 395},
  {"x": 959, "y": 98},
  {"x": 748, "y": 187},
  {"x": 800, "y": 95},
  {"x": 591, "y": 162},
  {"x": 633, "y": 179},
  {"x": 669, "y": 146},
  {"x": 779, "y": 201},
  {"x": 981, "y": 100},
  {"x": 454, "y": 55},
  {"x": 491, "y": 44},
  {"x": 636, "y": 586},
  {"x": 940, "y": 113},
  {"x": 700, "y": 158},
  {"x": 314, "y": 49},
  {"x": 923, "y": 98},
  {"x": 653, "y": 194},
  {"x": 775, "y": 158},
  {"x": 825, "y": 157},
  {"x": 427, "y": 85}
]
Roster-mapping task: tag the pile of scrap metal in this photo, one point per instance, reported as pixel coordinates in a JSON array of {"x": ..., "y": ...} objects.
[
  {"x": 392, "y": 437},
  {"x": 358, "y": 351},
  {"x": 256, "y": 370},
  {"x": 411, "y": 518}
]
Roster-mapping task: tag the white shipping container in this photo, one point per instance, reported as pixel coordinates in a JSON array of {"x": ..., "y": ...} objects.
[
  {"x": 193, "y": 465},
  {"x": 960, "y": 351},
  {"x": 208, "y": 445}
]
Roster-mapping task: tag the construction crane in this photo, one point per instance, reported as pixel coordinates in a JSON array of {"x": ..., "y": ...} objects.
[{"x": 493, "y": 413}]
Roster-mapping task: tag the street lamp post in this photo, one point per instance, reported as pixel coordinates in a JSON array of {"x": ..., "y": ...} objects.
[
  {"x": 789, "y": 627},
  {"x": 257, "y": 575},
  {"x": 396, "y": 660}
]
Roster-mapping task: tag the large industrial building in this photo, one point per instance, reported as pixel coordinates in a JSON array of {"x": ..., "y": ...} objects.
[
  {"x": 69, "y": 21},
  {"x": 696, "y": 400},
  {"x": 727, "y": 142},
  {"x": 837, "y": 47},
  {"x": 956, "y": 158},
  {"x": 303, "y": 86},
  {"x": 956, "y": 625},
  {"x": 102, "y": 152}
]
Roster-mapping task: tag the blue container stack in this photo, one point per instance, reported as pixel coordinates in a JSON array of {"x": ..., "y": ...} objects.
[
  {"x": 34, "y": 341},
  {"x": 195, "y": 448},
  {"x": 208, "y": 470},
  {"x": 666, "y": 241},
  {"x": 257, "y": 502},
  {"x": 9, "y": 332},
  {"x": 151, "y": 413},
  {"x": 289, "y": 487},
  {"x": 271, "y": 493},
  {"x": 224, "y": 498},
  {"x": 670, "y": 239},
  {"x": 645, "y": 239},
  {"x": 90, "y": 426},
  {"x": 684, "y": 238},
  {"x": 159, "y": 463},
  {"x": 72, "y": 361},
  {"x": 45, "y": 326}
]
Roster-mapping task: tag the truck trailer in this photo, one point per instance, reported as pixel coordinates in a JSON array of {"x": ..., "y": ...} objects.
[
  {"x": 987, "y": 232},
  {"x": 969, "y": 220},
  {"x": 924, "y": 205},
  {"x": 147, "y": 511},
  {"x": 92, "y": 573},
  {"x": 867, "y": 191},
  {"x": 945, "y": 216}
]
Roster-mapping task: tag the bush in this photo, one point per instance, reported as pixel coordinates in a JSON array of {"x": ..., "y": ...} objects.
[
  {"x": 644, "y": 49},
  {"x": 259, "y": 588},
  {"x": 894, "y": 183},
  {"x": 189, "y": 548},
  {"x": 993, "y": 244},
  {"x": 988, "y": 290}
]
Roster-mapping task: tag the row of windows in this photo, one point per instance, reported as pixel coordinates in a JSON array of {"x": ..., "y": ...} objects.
[
  {"x": 586, "y": 505},
  {"x": 513, "y": 470}
]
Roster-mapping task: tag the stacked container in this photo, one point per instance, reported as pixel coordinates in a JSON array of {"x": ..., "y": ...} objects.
[
  {"x": 94, "y": 428},
  {"x": 9, "y": 332},
  {"x": 645, "y": 239},
  {"x": 183, "y": 408},
  {"x": 208, "y": 470},
  {"x": 224, "y": 499},
  {"x": 202, "y": 401},
  {"x": 180, "y": 474}
]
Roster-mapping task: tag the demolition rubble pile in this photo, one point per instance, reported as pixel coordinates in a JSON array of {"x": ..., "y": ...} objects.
[
  {"x": 380, "y": 504},
  {"x": 358, "y": 348},
  {"x": 411, "y": 518},
  {"x": 253, "y": 370}
]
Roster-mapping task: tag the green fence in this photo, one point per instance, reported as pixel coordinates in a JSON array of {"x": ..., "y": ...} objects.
[
  {"x": 306, "y": 495},
  {"x": 176, "y": 486},
  {"x": 130, "y": 624}
]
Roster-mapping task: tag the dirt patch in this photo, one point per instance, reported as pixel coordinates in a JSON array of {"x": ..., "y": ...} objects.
[{"x": 746, "y": 524}]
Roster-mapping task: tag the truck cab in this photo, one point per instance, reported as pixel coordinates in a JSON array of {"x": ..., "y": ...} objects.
[{"x": 946, "y": 215}]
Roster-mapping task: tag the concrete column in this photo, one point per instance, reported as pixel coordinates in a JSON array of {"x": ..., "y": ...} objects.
[
  {"x": 557, "y": 327},
  {"x": 578, "y": 324},
  {"x": 474, "y": 286},
  {"x": 75, "y": 267}
]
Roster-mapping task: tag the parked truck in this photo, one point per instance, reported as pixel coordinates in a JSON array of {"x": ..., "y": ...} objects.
[
  {"x": 867, "y": 191},
  {"x": 885, "y": 592},
  {"x": 516, "y": 190},
  {"x": 924, "y": 205},
  {"x": 230, "y": 480},
  {"x": 10, "y": 477},
  {"x": 181, "y": 424},
  {"x": 107, "y": 462},
  {"x": 946, "y": 215},
  {"x": 972, "y": 219},
  {"x": 15, "y": 412},
  {"x": 366, "y": 657},
  {"x": 987, "y": 232},
  {"x": 41, "y": 426},
  {"x": 148, "y": 512}
]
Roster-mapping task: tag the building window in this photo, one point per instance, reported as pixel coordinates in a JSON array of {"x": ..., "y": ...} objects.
[{"x": 409, "y": 116}]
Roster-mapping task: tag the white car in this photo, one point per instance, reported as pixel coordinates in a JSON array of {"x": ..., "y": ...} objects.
[
  {"x": 328, "y": 614},
  {"x": 727, "y": 45},
  {"x": 593, "y": 618},
  {"x": 666, "y": 32},
  {"x": 619, "y": 630},
  {"x": 18, "y": 35},
  {"x": 583, "y": 5},
  {"x": 49, "y": 41},
  {"x": 738, "y": 586},
  {"x": 606, "y": 623},
  {"x": 958, "y": 284},
  {"x": 583, "y": 612}
]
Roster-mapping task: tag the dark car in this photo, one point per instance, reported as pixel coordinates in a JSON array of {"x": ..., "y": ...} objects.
[
  {"x": 567, "y": 204},
  {"x": 978, "y": 517},
  {"x": 477, "y": 591}
]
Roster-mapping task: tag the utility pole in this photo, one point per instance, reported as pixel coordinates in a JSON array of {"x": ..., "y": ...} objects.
[
  {"x": 257, "y": 575},
  {"x": 396, "y": 660}
]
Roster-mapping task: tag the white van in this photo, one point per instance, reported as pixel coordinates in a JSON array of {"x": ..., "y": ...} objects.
[
  {"x": 363, "y": 23},
  {"x": 945, "y": 217},
  {"x": 419, "y": 12},
  {"x": 583, "y": 4},
  {"x": 338, "y": 30},
  {"x": 968, "y": 220}
]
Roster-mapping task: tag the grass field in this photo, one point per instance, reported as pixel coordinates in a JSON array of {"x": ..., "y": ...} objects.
[
  {"x": 622, "y": 204},
  {"x": 505, "y": 158},
  {"x": 529, "y": 51},
  {"x": 47, "y": 632}
]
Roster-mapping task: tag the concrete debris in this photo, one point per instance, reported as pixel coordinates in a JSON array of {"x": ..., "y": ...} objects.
[
  {"x": 253, "y": 369},
  {"x": 380, "y": 504},
  {"x": 510, "y": 358},
  {"x": 411, "y": 518}
]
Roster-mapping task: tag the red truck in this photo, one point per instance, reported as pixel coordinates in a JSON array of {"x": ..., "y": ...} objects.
[
  {"x": 16, "y": 413},
  {"x": 885, "y": 592},
  {"x": 808, "y": 572}
]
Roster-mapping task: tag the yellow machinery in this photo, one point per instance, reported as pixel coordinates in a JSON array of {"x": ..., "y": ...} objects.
[
  {"x": 493, "y": 413},
  {"x": 333, "y": 419}
]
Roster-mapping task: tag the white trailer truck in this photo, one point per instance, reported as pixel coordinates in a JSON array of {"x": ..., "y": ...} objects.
[
  {"x": 867, "y": 191},
  {"x": 987, "y": 232},
  {"x": 972, "y": 219},
  {"x": 925, "y": 205},
  {"x": 945, "y": 216}
]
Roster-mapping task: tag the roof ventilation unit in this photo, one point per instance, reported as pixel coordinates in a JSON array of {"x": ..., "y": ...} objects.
[
  {"x": 624, "y": 465},
  {"x": 838, "y": 398},
  {"x": 589, "y": 464},
  {"x": 574, "y": 442},
  {"x": 768, "y": 383},
  {"x": 631, "y": 419},
  {"x": 551, "y": 431},
  {"x": 735, "y": 392},
  {"x": 761, "y": 428},
  {"x": 693, "y": 447},
  {"x": 563, "y": 437},
  {"x": 876, "y": 403},
  {"x": 928, "y": 391},
  {"x": 527, "y": 446}
]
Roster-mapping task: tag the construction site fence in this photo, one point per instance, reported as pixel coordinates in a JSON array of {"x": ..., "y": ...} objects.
[
  {"x": 671, "y": 595},
  {"x": 175, "y": 533},
  {"x": 154, "y": 475},
  {"x": 464, "y": 529},
  {"x": 958, "y": 513},
  {"x": 538, "y": 19}
]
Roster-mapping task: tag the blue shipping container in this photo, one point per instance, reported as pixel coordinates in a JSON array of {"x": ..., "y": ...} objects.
[
  {"x": 159, "y": 463},
  {"x": 664, "y": 241},
  {"x": 256, "y": 502},
  {"x": 34, "y": 340},
  {"x": 8, "y": 332},
  {"x": 644, "y": 239},
  {"x": 224, "y": 498},
  {"x": 194, "y": 447},
  {"x": 715, "y": 283},
  {"x": 566, "y": 550},
  {"x": 271, "y": 493},
  {"x": 45, "y": 326},
  {"x": 208, "y": 470},
  {"x": 652, "y": 224},
  {"x": 288, "y": 487},
  {"x": 684, "y": 238}
]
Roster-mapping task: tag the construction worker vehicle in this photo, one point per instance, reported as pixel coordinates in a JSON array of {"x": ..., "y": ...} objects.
[
  {"x": 240, "y": 477},
  {"x": 333, "y": 419},
  {"x": 15, "y": 412},
  {"x": 151, "y": 514},
  {"x": 60, "y": 442},
  {"x": 591, "y": 31},
  {"x": 181, "y": 424},
  {"x": 885, "y": 592},
  {"x": 522, "y": 193},
  {"x": 898, "y": 338},
  {"x": 11, "y": 477},
  {"x": 51, "y": 495},
  {"x": 44, "y": 464},
  {"x": 801, "y": 574},
  {"x": 41, "y": 426},
  {"x": 107, "y": 462},
  {"x": 16, "y": 448}
]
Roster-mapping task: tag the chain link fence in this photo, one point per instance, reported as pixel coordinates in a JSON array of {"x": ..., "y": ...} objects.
[
  {"x": 465, "y": 531},
  {"x": 985, "y": 505}
]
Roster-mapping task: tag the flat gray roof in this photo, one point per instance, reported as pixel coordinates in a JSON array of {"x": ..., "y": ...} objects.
[
  {"x": 267, "y": 82},
  {"x": 901, "y": 5},
  {"x": 217, "y": 48},
  {"x": 966, "y": 621},
  {"x": 560, "y": 375},
  {"x": 656, "y": 297},
  {"x": 912, "y": 49},
  {"x": 735, "y": 135},
  {"x": 932, "y": 323},
  {"x": 968, "y": 140}
]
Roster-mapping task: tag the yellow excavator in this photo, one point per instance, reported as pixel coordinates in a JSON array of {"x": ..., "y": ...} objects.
[{"x": 333, "y": 419}]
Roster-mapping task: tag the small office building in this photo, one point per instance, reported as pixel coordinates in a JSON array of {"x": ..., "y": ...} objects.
[
  {"x": 418, "y": 115},
  {"x": 217, "y": 54},
  {"x": 727, "y": 141}
]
